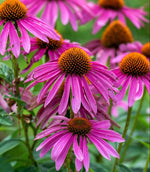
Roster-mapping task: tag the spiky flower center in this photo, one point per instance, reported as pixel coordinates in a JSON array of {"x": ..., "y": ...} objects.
[
  {"x": 113, "y": 4},
  {"x": 146, "y": 49},
  {"x": 12, "y": 10},
  {"x": 115, "y": 34},
  {"x": 80, "y": 126},
  {"x": 134, "y": 64},
  {"x": 52, "y": 45},
  {"x": 75, "y": 61}
]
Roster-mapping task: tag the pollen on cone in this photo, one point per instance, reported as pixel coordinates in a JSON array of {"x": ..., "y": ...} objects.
[
  {"x": 115, "y": 34},
  {"x": 146, "y": 49},
  {"x": 114, "y": 4},
  {"x": 12, "y": 10},
  {"x": 134, "y": 64}
]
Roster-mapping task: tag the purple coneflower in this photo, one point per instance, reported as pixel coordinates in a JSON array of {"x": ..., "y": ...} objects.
[
  {"x": 53, "y": 49},
  {"x": 77, "y": 132},
  {"x": 108, "y": 10},
  {"x": 133, "y": 47},
  {"x": 14, "y": 16},
  {"x": 134, "y": 70},
  {"x": 76, "y": 68},
  {"x": 69, "y": 10},
  {"x": 114, "y": 36}
]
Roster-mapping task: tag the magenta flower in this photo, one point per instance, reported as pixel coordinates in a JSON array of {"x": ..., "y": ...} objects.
[
  {"x": 53, "y": 49},
  {"x": 14, "y": 16},
  {"x": 69, "y": 10},
  {"x": 113, "y": 37},
  {"x": 69, "y": 132},
  {"x": 132, "y": 47},
  {"x": 74, "y": 67},
  {"x": 106, "y": 11},
  {"x": 133, "y": 72}
]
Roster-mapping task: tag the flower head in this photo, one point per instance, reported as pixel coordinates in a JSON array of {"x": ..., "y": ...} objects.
[
  {"x": 132, "y": 47},
  {"x": 77, "y": 132},
  {"x": 53, "y": 49},
  {"x": 69, "y": 10},
  {"x": 112, "y": 38},
  {"x": 14, "y": 17},
  {"x": 134, "y": 70},
  {"x": 73, "y": 67},
  {"x": 106, "y": 11}
]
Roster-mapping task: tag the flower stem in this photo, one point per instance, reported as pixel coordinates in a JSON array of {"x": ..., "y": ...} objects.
[
  {"x": 147, "y": 162},
  {"x": 132, "y": 129},
  {"x": 16, "y": 74},
  {"x": 123, "y": 135},
  {"x": 110, "y": 108},
  {"x": 25, "y": 128},
  {"x": 19, "y": 107}
]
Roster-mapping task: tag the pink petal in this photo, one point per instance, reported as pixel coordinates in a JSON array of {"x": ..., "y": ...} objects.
[
  {"x": 54, "y": 90},
  {"x": 76, "y": 94},
  {"x": 77, "y": 149},
  {"x": 4, "y": 37},
  {"x": 65, "y": 97},
  {"x": 14, "y": 40},
  {"x": 132, "y": 91},
  {"x": 25, "y": 38}
]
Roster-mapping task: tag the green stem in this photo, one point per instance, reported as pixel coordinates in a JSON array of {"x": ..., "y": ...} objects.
[
  {"x": 25, "y": 128},
  {"x": 147, "y": 162},
  {"x": 20, "y": 108},
  {"x": 123, "y": 135},
  {"x": 110, "y": 108},
  {"x": 46, "y": 57},
  {"x": 16, "y": 74},
  {"x": 133, "y": 128},
  {"x": 68, "y": 160}
]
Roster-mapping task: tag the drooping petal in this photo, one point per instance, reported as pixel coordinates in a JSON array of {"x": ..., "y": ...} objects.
[
  {"x": 54, "y": 89},
  {"x": 132, "y": 91},
  {"x": 89, "y": 95},
  {"x": 24, "y": 37},
  {"x": 3, "y": 38},
  {"x": 65, "y": 97},
  {"x": 14, "y": 40},
  {"x": 60, "y": 146},
  {"x": 76, "y": 94},
  {"x": 77, "y": 149}
]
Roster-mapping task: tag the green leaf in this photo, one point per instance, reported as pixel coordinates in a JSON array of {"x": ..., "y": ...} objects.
[
  {"x": 28, "y": 169},
  {"x": 5, "y": 166},
  {"x": 4, "y": 118},
  {"x": 6, "y": 73},
  {"x": 90, "y": 170},
  {"x": 123, "y": 168},
  {"x": 18, "y": 100},
  {"x": 8, "y": 145},
  {"x": 98, "y": 167}
]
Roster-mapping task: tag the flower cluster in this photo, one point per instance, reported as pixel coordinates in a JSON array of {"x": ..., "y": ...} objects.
[{"x": 78, "y": 93}]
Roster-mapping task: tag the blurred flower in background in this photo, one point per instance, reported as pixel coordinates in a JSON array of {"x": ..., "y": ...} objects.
[
  {"x": 69, "y": 10},
  {"x": 108, "y": 10}
]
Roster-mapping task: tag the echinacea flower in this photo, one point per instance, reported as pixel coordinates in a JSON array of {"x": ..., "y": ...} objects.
[
  {"x": 133, "y": 72},
  {"x": 107, "y": 48},
  {"x": 77, "y": 132},
  {"x": 108, "y": 10},
  {"x": 133, "y": 47},
  {"x": 53, "y": 49},
  {"x": 69, "y": 10},
  {"x": 14, "y": 17},
  {"x": 74, "y": 67}
]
